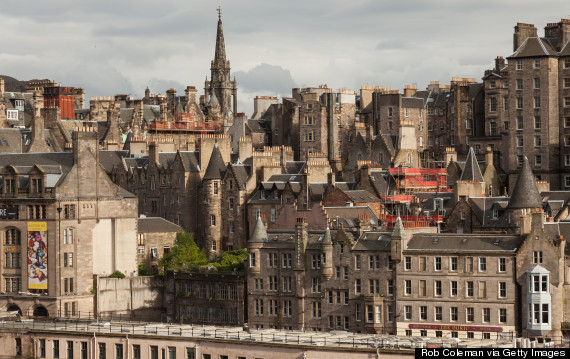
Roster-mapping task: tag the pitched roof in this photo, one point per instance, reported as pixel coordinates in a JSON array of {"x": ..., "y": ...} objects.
[
  {"x": 190, "y": 160},
  {"x": 412, "y": 102},
  {"x": 157, "y": 225},
  {"x": 362, "y": 196},
  {"x": 216, "y": 166},
  {"x": 533, "y": 47},
  {"x": 110, "y": 159},
  {"x": 241, "y": 174},
  {"x": 454, "y": 242},
  {"x": 471, "y": 171},
  {"x": 525, "y": 193}
]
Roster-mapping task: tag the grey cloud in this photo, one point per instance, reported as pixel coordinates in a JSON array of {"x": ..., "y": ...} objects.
[
  {"x": 157, "y": 86},
  {"x": 392, "y": 45},
  {"x": 265, "y": 78}
]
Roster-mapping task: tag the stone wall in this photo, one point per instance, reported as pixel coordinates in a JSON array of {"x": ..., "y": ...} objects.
[{"x": 135, "y": 297}]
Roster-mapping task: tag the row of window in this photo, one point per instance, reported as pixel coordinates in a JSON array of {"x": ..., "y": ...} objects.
[
  {"x": 116, "y": 351},
  {"x": 453, "y": 314},
  {"x": 453, "y": 264},
  {"x": 212, "y": 291},
  {"x": 453, "y": 286}
]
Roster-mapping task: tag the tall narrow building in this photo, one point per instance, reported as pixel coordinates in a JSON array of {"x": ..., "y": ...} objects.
[{"x": 224, "y": 88}]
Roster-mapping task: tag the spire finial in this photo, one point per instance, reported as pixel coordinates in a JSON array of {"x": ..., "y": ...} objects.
[{"x": 219, "y": 13}]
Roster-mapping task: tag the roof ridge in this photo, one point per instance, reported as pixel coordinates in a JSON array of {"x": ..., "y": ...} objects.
[{"x": 542, "y": 45}]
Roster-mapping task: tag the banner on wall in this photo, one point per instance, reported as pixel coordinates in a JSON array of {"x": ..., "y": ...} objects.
[{"x": 37, "y": 255}]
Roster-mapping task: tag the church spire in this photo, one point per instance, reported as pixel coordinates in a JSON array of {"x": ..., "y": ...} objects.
[{"x": 220, "y": 55}]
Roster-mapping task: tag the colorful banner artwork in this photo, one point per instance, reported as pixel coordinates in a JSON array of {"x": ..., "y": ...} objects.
[{"x": 37, "y": 255}]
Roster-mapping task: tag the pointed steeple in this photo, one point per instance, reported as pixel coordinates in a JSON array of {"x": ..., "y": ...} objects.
[
  {"x": 216, "y": 167},
  {"x": 213, "y": 100},
  {"x": 327, "y": 239},
  {"x": 178, "y": 109},
  {"x": 259, "y": 234},
  {"x": 220, "y": 55},
  {"x": 525, "y": 193},
  {"x": 472, "y": 171},
  {"x": 398, "y": 231}
]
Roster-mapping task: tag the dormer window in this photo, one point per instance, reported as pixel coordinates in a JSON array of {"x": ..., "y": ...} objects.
[
  {"x": 495, "y": 213},
  {"x": 37, "y": 185}
]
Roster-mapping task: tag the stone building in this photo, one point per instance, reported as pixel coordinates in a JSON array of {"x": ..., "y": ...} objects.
[
  {"x": 215, "y": 298},
  {"x": 155, "y": 238},
  {"x": 415, "y": 281},
  {"x": 314, "y": 120},
  {"x": 63, "y": 221},
  {"x": 527, "y": 105}
]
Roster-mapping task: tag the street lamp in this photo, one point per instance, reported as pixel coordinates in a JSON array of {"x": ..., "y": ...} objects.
[{"x": 59, "y": 255}]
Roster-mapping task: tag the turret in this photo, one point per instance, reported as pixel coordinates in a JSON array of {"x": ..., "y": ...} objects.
[
  {"x": 212, "y": 205},
  {"x": 256, "y": 240},
  {"x": 524, "y": 199}
]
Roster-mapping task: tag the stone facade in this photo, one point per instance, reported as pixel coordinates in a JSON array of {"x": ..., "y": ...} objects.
[
  {"x": 89, "y": 223},
  {"x": 209, "y": 298}
]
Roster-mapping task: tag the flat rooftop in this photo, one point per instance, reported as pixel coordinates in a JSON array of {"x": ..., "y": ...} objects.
[{"x": 332, "y": 339}]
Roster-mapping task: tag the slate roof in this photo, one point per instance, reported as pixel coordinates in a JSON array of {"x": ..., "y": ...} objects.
[
  {"x": 157, "y": 225},
  {"x": 471, "y": 171},
  {"x": 348, "y": 215},
  {"x": 379, "y": 182},
  {"x": 373, "y": 241},
  {"x": 259, "y": 233},
  {"x": 284, "y": 240},
  {"x": 111, "y": 159},
  {"x": 483, "y": 209},
  {"x": 534, "y": 47},
  {"x": 242, "y": 173},
  {"x": 135, "y": 162},
  {"x": 190, "y": 161},
  {"x": 427, "y": 200},
  {"x": 216, "y": 166},
  {"x": 11, "y": 140},
  {"x": 294, "y": 167},
  {"x": 525, "y": 193},
  {"x": 458, "y": 243},
  {"x": 166, "y": 158},
  {"x": 412, "y": 102},
  {"x": 362, "y": 196},
  {"x": 63, "y": 159}
]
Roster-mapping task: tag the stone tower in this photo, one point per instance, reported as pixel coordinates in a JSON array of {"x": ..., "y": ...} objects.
[
  {"x": 212, "y": 204},
  {"x": 525, "y": 199},
  {"x": 220, "y": 83}
]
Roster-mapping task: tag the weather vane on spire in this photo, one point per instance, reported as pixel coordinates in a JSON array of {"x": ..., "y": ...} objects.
[{"x": 219, "y": 12}]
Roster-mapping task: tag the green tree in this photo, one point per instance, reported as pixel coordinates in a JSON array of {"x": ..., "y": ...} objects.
[
  {"x": 184, "y": 255},
  {"x": 230, "y": 260},
  {"x": 117, "y": 274}
]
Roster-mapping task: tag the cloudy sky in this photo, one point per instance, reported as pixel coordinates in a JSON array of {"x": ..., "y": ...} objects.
[{"x": 123, "y": 46}]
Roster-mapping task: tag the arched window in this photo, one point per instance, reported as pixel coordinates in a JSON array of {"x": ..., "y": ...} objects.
[{"x": 13, "y": 236}]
